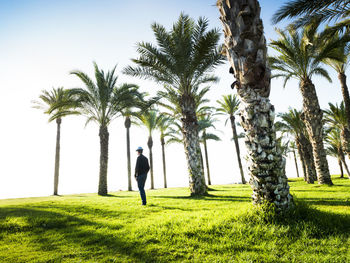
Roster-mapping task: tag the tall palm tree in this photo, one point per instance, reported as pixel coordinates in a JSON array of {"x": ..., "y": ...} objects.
[
  {"x": 229, "y": 105},
  {"x": 182, "y": 60},
  {"x": 128, "y": 114},
  {"x": 336, "y": 116},
  {"x": 245, "y": 47},
  {"x": 102, "y": 102},
  {"x": 306, "y": 11},
  {"x": 57, "y": 103},
  {"x": 150, "y": 119},
  {"x": 206, "y": 120},
  {"x": 335, "y": 149},
  {"x": 300, "y": 56},
  {"x": 293, "y": 124}
]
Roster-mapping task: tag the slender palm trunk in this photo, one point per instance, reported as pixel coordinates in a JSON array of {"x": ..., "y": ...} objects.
[
  {"x": 247, "y": 53},
  {"x": 57, "y": 156},
  {"x": 104, "y": 140},
  {"x": 192, "y": 147},
  {"x": 296, "y": 163},
  {"x": 302, "y": 158},
  {"x": 127, "y": 125},
  {"x": 314, "y": 126},
  {"x": 150, "y": 145},
  {"x": 238, "y": 153},
  {"x": 341, "y": 168},
  {"x": 162, "y": 142},
  {"x": 346, "y": 97},
  {"x": 206, "y": 158}
]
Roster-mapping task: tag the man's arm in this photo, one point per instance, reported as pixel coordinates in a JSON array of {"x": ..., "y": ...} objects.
[{"x": 137, "y": 167}]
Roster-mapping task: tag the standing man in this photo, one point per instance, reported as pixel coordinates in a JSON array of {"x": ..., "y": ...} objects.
[{"x": 141, "y": 170}]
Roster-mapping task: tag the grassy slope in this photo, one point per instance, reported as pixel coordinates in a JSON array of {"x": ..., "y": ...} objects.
[{"x": 174, "y": 227}]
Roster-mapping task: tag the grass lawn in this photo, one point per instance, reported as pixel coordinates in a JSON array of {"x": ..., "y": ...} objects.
[{"x": 173, "y": 227}]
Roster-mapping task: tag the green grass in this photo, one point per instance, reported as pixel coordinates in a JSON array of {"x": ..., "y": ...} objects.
[{"x": 220, "y": 227}]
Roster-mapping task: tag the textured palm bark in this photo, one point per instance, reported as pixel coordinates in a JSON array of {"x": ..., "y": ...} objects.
[
  {"x": 192, "y": 148},
  {"x": 341, "y": 168},
  {"x": 127, "y": 124},
  {"x": 104, "y": 140},
  {"x": 342, "y": 159},
  {"x": 247, "y": 53},
  {"x": 57, "y": 156},
  {"x": 306, "y": 149},
  {"x": 162, "y": 142},
  {"x": 296, "y": 163},
  {"x": 206, "y": 158},
  {"x": 150, "y": 145},
  {"x": 346, "y": 97},
  {"x": 302, "y": 158},
  {"x": 238, "y": 152},
  {"x": 345, "y": 140},
  {"x": 313, "y": 121}
]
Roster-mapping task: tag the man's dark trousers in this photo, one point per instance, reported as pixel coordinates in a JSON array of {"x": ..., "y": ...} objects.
[{"x": 141, "y": 179}]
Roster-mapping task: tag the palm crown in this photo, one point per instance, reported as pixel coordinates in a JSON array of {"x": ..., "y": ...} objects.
[
  {"x": 104, "y": 100},
  {"x": 57, "y": 103},
  {"x": 301, "y": 53},
  {"x": 183, "y": 57}
]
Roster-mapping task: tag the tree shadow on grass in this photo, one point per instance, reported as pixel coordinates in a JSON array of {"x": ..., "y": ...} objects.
[
  {"x": 326, "y": 201},
  {"x": 208, "y": 197},
  {"x": 55, "y": 231}
]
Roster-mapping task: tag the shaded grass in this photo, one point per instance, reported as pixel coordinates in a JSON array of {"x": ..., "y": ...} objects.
[{"x": 219, "y": 227}]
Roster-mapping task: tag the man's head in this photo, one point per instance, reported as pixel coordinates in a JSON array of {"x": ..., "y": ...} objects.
[{"x": 139, "y": 150}]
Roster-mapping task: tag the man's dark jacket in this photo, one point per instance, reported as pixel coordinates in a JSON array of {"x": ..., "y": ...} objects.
[{"x": 142, "y": 166}]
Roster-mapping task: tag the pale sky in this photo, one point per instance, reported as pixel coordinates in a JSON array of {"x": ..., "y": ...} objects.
[{"x": 42, "y": 41}]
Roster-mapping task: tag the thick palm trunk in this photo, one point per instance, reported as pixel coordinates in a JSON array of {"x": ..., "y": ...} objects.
[
  {"x": 162, "y": 142},
  {"x": 314, "y": 126},
  {"x": 104, "y": 139},
  {"x": 192, "y": 147},
  {"x": 296, "y": 163},
  {"x": 247, "y": 54},
  {"x": 238, "y": 153},
  {"x": 57, "y": 156},
  {"x": 306, "y": 149},
  {"x": 150, "y": 145},
  {"x": 206, "y": 158},
  {"x": 127, "y": 125},
  {"x": 346, "y": 97},
  {"x": 345, "y": 140}
]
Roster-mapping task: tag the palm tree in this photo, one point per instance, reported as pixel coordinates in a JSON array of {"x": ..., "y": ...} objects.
[
  {"x": 57, "y": 103},
  {"x": 150, "y": 119},
  {"x": 129, "y": 113},
  {"x": 307, "y": 11},
  {"x": 335, "y": 149},
  {"x": 301, "y": 56},
  {"x": 293, "y": 124},
  {"x": 229, "y": 105},
  {"x": 182, "y": 61},
  {"x": 102, "y": 102},
  {"x": 336, "y": 117},
  {"x": 206, "y": 120},
  {"x": 245, "y": 47}
]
